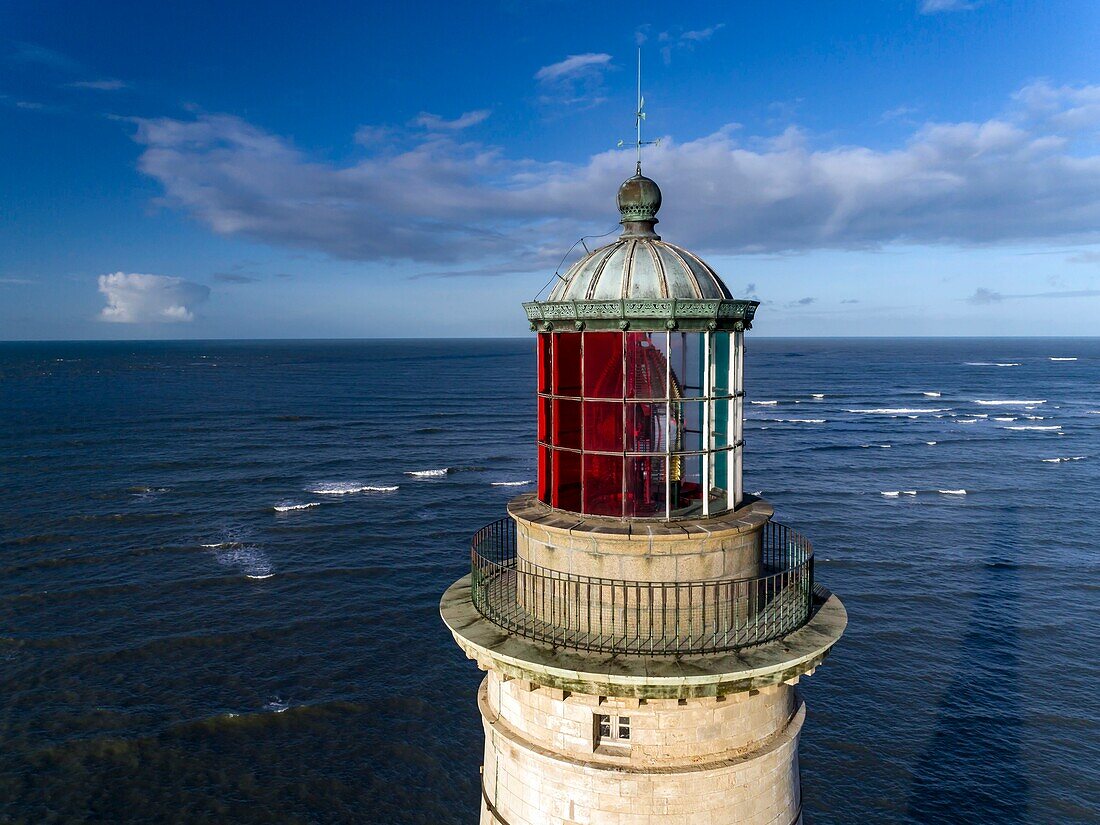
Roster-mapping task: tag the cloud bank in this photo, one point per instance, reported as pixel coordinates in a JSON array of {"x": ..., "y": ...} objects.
[
  {"x": 1030, "y": 174},
  {"x": 133, "y": 298}
]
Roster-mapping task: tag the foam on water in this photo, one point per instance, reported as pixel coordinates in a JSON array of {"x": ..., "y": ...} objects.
[
  {"x": 880, "y": 446},
  {"x": 287, "y": 506},
  {"x": 1034, "y": 427},
  {"x": 896, "y": 411},
  {"x": 1011, "y": 402},
  {"x": 932, "y": 394},
  {"x": 510, "y": 483},
  {"x": 1061, "y": 460},
  {"x": 343, "y": 488},
  {"x": 992, "y": 364},
  {"x": 1074, "y": 358},
  {"x": 931, "y": 443},
  {"x": 427, "y": 473},
  {"x": 818, "y": 395},
  {"x": 967, "y": 420},
  {"x": 764, "y": 403},
  {"x": 241, "y": 554},
  {"x": 1004, "y": 418},
  {"x": 952, "y": 492}
]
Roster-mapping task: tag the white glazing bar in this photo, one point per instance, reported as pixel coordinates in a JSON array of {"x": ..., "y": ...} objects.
[
  {"x": 707, "y": 436},
  {"x": 740, "y": 432},
  {"x": 731, "y": 422},
  {"x": 668, "y": 425}
]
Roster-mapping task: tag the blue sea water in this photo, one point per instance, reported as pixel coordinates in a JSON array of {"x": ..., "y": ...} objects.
[{"x": 176, "y": 648}]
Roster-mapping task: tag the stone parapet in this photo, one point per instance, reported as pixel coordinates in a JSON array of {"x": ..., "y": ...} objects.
[{"x": 722, "y": 547}]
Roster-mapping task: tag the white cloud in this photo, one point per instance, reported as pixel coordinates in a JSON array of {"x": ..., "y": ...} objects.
[
  {"x": 436, "y": 123},
  {"x": 101, "y": 85},
  {"x": 937, "y": 6},
  {"x": 466, "y": 204},
  {"x": 573, "y": 66},
  {"x": 133, "y": 298}
]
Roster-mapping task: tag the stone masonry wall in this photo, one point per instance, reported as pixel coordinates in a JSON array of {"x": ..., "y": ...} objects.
[{"x": 701, "y": 761}]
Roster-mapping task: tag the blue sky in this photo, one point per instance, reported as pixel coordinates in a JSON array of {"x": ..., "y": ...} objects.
[{"x": 226, "y": 170}]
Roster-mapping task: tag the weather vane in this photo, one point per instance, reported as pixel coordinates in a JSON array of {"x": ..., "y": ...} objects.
[{"x": 639, "y": 116}]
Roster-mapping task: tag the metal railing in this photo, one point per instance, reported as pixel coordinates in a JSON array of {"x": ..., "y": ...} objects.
[{"x": 616, "y": 616}]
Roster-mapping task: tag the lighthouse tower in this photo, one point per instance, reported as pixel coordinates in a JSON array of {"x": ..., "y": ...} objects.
[{"x": 641, "y": 621}]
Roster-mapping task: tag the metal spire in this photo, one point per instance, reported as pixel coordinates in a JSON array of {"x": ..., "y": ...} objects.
[{"x": 639, "y": 116}]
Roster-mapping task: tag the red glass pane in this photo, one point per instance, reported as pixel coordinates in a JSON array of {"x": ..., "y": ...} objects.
[
  {"x": 603, "y": 485},
  {"x": 566, "y": 363},
  {"x": 544, "y": 352},
  {"x": 546, "y": 418},
  {"x": 545, "y": 476},
  {"x": 603, "y": 365},
  {"x": 603, "y": 426},
  {"x": 566, "y": 423},
  {"x": 645, "y": 486},
  {"x": 646, "y": 365},
  {"x": 567, "y": 481},
  {"x": 645, "y": 427}
]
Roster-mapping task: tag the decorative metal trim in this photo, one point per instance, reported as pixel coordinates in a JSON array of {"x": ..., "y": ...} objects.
[{"x": 648, "y": 315}]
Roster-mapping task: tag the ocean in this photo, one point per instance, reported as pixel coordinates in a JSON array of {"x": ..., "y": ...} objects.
[{"x": 220, "y": 565}]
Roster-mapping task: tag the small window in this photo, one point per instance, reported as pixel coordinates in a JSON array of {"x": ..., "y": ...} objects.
[{"x": 612, "y": 730}]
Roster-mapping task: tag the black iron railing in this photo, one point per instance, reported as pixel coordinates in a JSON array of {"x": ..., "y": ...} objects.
[{"x": 615, "y": 616}]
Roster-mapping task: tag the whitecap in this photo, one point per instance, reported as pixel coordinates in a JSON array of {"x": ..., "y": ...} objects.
[
  {"x": 818, "y": 395},
  {"x": 891, "y": 493},
  {"x": 1011, "y": 402},
  {"x": 931, "y": 443},
  {"x": 932, "y": 394},
  {"x": 510, "y": 483},
  {"x": 967, "y": 420},
  {"x": 881, "y": 446},
  {"x": 895, "y": 411},
  {"x": 992, "y": 364},
  {"x": 1004, "y": 418},
  {"x": 800, "y": 420},
  {"x": 341, "y": 488},
  {"x": 1035, "y": 427},
  {"x": 427, "y": 473},
  {"x": 277, "y": 705},
  {"x": 764, "y": 403},
  {"x": 287, "y": 506},
  {"x": 908, "y": 492},
  {"x": 952, "y": 492},
  {"x": 1064, "y": 359},
  {"x": 1060, "y": 460},
  {"x": 1034, "y": 417}
]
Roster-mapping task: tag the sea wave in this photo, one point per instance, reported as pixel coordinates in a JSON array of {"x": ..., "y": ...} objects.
[
  {"x": 341, "y": 488},
  {"x": 1011, "y": 402},
  {"x": 967, "y": 420},
  {"x": 1074, "y": 358},
  {"x": 992, "y": 364},
  {"x": 931, "y": 443},
  {"x": 287, "y": 506},
  {"x": 896, "y": 493},
  {"x": 896, "y": 411},
  {"x": 952, "y": 492},
  {"x": 818, "y": 395},
  {"x": 510, "y": 483},
  {"x": 932, "y": 394},
  {"x": 764, "y": 403},
  {"x": 1034, "y": 427},
  {"x": 880, "y": 446},
  {"x": 1060, "y": 460},
  {"x": 442, "y": 471},
  {"x": 1004, "y": 418}
]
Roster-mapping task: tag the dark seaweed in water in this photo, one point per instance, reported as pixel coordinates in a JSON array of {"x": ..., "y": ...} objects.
[{"x": 140, "y": 669}]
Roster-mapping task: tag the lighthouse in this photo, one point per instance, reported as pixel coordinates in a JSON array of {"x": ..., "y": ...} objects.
[{"x": 642, "y": 622}]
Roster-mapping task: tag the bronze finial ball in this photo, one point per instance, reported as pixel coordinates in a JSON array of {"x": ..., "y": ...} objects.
[{"x": 639, "y": 199}]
